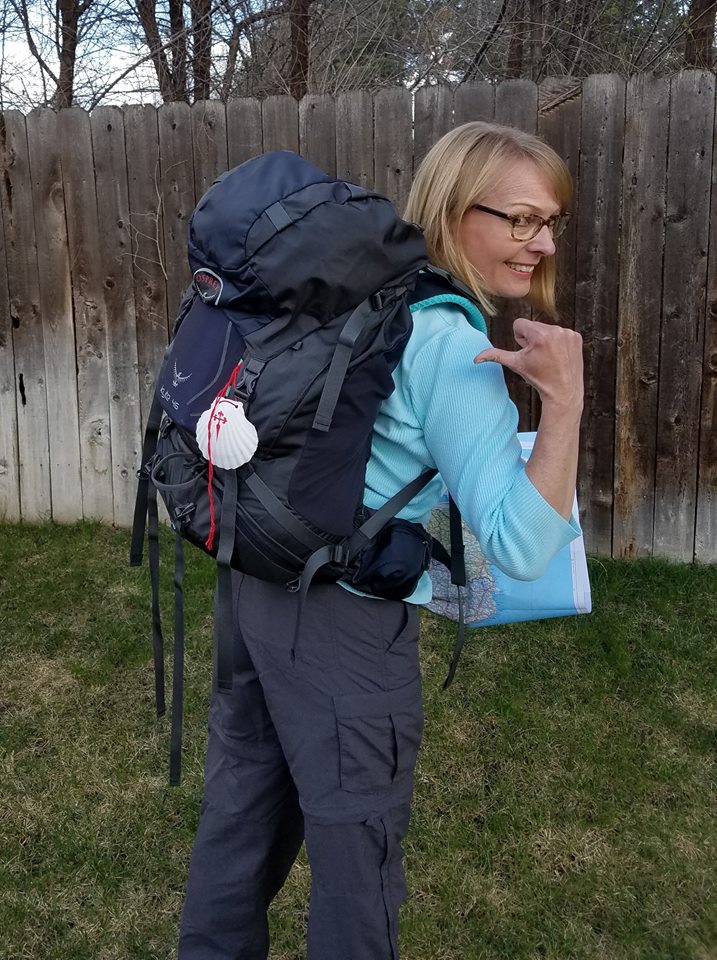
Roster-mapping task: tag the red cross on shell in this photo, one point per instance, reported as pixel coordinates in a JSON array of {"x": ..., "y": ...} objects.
[{"x": 234, "y": 440}]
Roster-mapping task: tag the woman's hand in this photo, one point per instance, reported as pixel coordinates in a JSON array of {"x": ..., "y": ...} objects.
[{"x": 550, "y": 359}]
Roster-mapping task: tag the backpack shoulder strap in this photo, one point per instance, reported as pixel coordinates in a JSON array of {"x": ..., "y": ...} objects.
[{"x": 436, "y": 285}]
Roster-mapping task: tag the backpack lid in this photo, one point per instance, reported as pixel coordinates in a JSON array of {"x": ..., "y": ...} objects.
[{"x": 277, "y": 236}]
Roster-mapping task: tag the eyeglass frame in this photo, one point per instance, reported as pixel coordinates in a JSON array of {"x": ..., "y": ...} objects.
[{"x": 511, "y": 218}]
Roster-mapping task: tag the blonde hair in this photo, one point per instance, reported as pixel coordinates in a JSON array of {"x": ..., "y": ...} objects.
[{"x": 461, "y": 169}]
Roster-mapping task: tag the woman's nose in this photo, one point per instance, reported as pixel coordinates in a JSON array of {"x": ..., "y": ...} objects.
[{"x": 543, "y": 243}]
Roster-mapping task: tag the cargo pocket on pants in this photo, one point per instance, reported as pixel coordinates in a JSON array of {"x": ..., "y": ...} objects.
[{"x": 379, "y": 736}]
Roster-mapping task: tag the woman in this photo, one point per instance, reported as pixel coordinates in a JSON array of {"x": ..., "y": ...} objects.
[{"x": 323, "y": 749}]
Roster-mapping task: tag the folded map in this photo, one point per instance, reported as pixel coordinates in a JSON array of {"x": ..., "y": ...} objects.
[{"x": 490, "y": 596}]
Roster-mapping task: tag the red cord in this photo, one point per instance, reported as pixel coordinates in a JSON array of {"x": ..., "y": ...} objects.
[{"x": 229, "y": 385}]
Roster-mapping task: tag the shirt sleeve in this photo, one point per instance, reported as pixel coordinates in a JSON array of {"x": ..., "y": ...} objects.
[{"x": 470, "y": 428}]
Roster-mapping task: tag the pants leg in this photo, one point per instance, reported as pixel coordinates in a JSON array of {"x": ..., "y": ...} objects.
[
  {"x": 358, "y": 885},
  {"x": 348, "y": 714},
  {"x": 250, "y": 829}
]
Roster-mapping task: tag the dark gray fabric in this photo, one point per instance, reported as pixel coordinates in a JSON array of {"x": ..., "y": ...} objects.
[{"x": 323, "y": 747}]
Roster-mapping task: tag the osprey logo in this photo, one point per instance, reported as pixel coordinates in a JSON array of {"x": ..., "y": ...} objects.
[
  {"x": 208, "y": 285},
  {"x": 178, "y": 377}
]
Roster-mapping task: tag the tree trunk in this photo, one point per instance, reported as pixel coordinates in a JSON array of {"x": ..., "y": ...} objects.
[
  {"x": 201, "y": 48},
  {"x": 299, "y": 21},
  {"x": 148, "y": 19},
  {"x": 179, "y": 51},
  {"x": 535, "y": 59},
  {"x": 514, "y": 65},
  {"x": 69, "y": 13},
  {"x": 699, "y": 49}
]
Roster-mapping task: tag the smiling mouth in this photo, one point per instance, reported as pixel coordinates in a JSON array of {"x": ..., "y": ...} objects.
[{"x": 525, "y": 269}]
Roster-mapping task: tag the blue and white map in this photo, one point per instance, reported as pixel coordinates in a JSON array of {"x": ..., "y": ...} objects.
[{"x": 490, "y": 596}]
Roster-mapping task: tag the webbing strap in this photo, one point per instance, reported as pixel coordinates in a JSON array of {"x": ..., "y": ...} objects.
[
  {"x": 339, "y": 365},
  {"x": 460, "y": 640},
  {"x": 157, "y": 638},
  {"x": 175, "y": 748},
  {"x": 357, "y": 193},
  {"x": 346, "y": 551},
  {"x": 458, "y": 578},
  {"x": 278, "y": 215},
  {"x": 149, "y": 445},
  {"x": 224, "y": 617},
  {"x": 398, "y": 501},
  {"x": 439, "y": 553},
  {"x": 318, "y": 559},
  {"x": 458, "y": 550},
  {"x": 454, "y": 281}
]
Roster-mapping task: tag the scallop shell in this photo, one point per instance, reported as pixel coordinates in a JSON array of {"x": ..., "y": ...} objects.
[{"x": 233, "y": 438}]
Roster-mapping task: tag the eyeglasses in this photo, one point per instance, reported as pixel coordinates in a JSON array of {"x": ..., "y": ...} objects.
[{"x": 528, "y": 226}]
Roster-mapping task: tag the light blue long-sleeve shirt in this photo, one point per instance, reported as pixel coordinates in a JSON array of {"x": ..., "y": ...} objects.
[{"x": 450, "y": 413}]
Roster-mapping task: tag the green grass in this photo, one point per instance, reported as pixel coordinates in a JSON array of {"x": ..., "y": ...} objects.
[{"x": 566, "y": 793}]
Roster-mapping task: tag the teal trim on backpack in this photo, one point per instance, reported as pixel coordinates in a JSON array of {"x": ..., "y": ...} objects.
[{"x": 475, "y": 317}]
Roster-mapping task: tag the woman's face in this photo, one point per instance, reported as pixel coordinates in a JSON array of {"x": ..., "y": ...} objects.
[{"x": 507, "y": 265}]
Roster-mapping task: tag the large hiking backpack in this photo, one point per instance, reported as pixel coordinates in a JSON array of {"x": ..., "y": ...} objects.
[{"x": 298, "y": 309}]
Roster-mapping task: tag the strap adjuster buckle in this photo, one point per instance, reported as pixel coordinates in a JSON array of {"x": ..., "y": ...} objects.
[{"x": 340, "y": 554}]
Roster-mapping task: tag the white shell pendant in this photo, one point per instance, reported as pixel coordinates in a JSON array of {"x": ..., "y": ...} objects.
[{"x": 233, "y": 438}]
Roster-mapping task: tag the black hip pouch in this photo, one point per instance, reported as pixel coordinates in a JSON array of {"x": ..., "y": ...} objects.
[{"x": 391, "y": 566}]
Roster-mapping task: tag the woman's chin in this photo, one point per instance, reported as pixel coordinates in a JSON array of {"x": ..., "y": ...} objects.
[{"x": 516, "y": 286}]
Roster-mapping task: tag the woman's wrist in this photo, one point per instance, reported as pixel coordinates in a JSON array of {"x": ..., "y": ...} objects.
[{"x": 567, "y": 408}]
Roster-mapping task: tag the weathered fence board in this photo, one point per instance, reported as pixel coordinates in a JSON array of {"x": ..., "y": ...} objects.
[
  {"x": 516, "y": 104},
  {"x": 177, "y": 180},
  {"x": 354, "y": 137},
  {"x": 209, "y": 144},
  {"x": 596, "y": 291},
  {"x": 559, "y": 125},
  {"x": 706, "y": 517},
  {"x": 317, "y": 131},
  {"x": 638, "y": 343},
  {"x": 474, "y": 101},
  {"x": 559, "y": 119},
  {"x": 83, "y": 234},
  {"x": 147, "y": 234},
  {"x": 393, "y": 150},
  {"x": 689, "y": 170},
  {"x": 9, "y": 463},
  {"x": 108, "y": 145},
  {"x": 55, "y": 282},
  {"x": 280, "y": 124},
  {"x": 432, "y": 117},
  {"x": 26, "y": 319},
  {"x": 244, "y": 137}
]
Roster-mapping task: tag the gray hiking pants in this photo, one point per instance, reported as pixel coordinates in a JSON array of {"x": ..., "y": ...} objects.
[{"x": 322, "y": 748}]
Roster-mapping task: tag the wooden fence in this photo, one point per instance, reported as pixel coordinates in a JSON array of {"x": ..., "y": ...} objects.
[{"x": 93, "y": 262}]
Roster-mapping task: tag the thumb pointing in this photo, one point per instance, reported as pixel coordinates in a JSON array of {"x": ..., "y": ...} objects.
[{"x": 489, "y": 355}]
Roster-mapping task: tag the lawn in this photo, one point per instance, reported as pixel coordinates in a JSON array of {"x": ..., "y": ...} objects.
[{"x": 566, "y": 793}]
